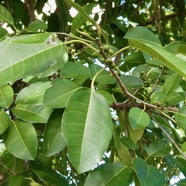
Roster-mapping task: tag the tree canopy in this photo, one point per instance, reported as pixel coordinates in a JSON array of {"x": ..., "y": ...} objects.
[{"x": 96, "y": 98}]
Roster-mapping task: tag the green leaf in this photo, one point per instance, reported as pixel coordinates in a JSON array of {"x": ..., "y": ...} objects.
[
  {"x": 21, "y": 140},
  {"x": 131, "y": 81},
  {"x": 89, "y": 113},
  {"x": 32, "y": 113},
  {"x": 4, "y": 121},
  {"x": 6, "y": 96},
  {"x": 84, "y": 14},
  {"x": 174, "y": 98},
  {"x": 181, "y": 164},
  {"x": 3, "y": 33},
  {"x": 147, "y": 174},
  {"x": 58, "y": 95},
  {"x": 16, "y": 180},
  {"x": 145, "y": 40},
  {"x": 158, "y": 149},
  {"x": 138, "y": 118},
  {"x": 30, "y": 38},
  {"x": 20, "y": 59},
  {"x": 170, "y": 84},
  {"x": 33, "y": 94},
  {"x": 104, "y": 77},
  {"x": 36, "y": 26},
  {"x": 79, "y": 19},
  {"x": 74, "y": 70},
  {"x": 47, "y": 174},
  {"x": 135, "y": 135},
  {"x": 5, "y": 15},
  {"x": 54, "y": 141},
  {"x": 180, "y": 117},
  {"x": 110, "y": 174}
]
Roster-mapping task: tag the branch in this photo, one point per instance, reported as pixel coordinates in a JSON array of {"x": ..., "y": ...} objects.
[
  {"x": 30, "y": 7},
  {"x": 168, "y": 136},
  {"x": 170, "y": 16}
]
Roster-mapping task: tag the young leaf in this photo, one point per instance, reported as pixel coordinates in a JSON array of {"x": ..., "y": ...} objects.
[
  {"x": 21, "y": 140},
  {"x": 4, "y": 121},
  {"x": 79, "y": 20},
  {"x": 86, "y": 122},
  {"x": 145, "y": 40},
  {"x": 57, "y": 96},
  {"x": 20, "y": 59},
  {"x": 147, "y": 174},
  {"x": 138, "y": 118},
  {"x": 5, "y": 15},
  {"x": 54, "y": 141},
  {"x": 170, "y": 84},
  {"x": 36, "y": 26},
  {"x": 6, "y": 96},
  {"x": 32, "y": 113},
  {"x": 110, "y": 174}
]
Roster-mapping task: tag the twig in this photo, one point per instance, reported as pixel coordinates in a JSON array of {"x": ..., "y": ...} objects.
[
  {"x": 30, "y": 7},
  {"x": 156, "y": 83},
  {"x": 9, "y": 170},
  {"x": 168, "y": 136}
]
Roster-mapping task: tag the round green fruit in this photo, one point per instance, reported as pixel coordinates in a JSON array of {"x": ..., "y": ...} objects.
[{"x": 105, "y": 48}]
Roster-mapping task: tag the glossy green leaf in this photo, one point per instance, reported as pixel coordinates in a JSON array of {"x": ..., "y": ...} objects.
[
  {"x": 74, "y": 70},
  {"x": 89, "y": 113},
  {"x": 180, "y": 117},
  {"x": 4, "y": 121},
  {"x": 5, "y": 15},
  {"x": 138, "y": 118},
  {"x": 36, "y": 26},
  {"x": 170, "y": 84},
  {"x": 21, "y": 59},
  {"x": 6, "y": 96},
  {"x": 147, "y": 174},
  {"x": 158, "y": 149},
  {"x": 57, "y": 96},
  {"x": 33, "y": 94},
  {"x": 47, "y": 174},
  {"x": 54, "y": 141},
  {"x": 145, "y": 40},
  {"x": 21, "y": 140},
  {"x": 104, "y": 77},
  {"x": 110, "y": 174},
  {"x": 32, "y": 113},
  {"x": 79, "y": 19}
]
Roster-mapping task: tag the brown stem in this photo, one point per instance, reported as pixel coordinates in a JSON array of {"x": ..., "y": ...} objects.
[
  {"x": 30, "y": 7},
  {"x": 156, "y": 83},
  {"x": 168, "y": 136}
]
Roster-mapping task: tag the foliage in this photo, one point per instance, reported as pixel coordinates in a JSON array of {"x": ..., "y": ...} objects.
[{"x": 95, "y": 99}]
